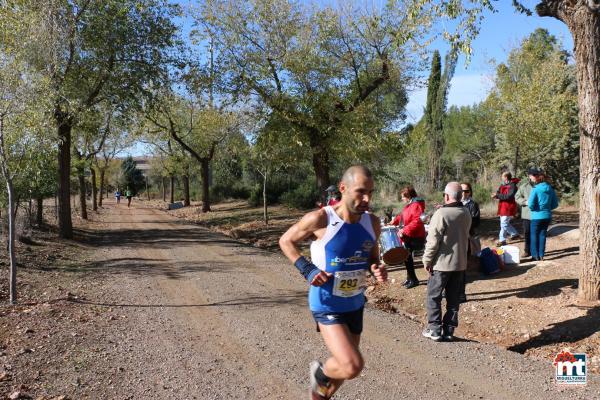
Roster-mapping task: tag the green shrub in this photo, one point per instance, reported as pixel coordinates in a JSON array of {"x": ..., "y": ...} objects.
[
  {"x": 237, "y": 190},
  {"x": 482, "y": 194},
  {"x": 303, "y": 197},
  {"x": 255, "y": 198}
]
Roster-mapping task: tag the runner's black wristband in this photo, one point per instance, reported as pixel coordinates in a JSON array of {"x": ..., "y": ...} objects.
[{"x": 306, "y": 268}]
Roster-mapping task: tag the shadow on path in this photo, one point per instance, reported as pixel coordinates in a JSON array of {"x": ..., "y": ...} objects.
[
  {"x": 539, "y": 290},
  {"x": 297, "y": 298},
  {"x": 151, "y": 267},
  {"x": 569, "y": 331}
]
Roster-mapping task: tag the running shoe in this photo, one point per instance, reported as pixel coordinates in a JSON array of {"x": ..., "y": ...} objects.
[{"x": 317, "y": 390}]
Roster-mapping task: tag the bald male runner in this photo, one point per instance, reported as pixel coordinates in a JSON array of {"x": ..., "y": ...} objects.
[{"x": 343, "y": 250}]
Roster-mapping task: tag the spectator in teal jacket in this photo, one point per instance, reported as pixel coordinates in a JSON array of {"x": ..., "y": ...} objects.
[
  {"x": 542, "y": 201},
  {"x": 522, "y": 197}
]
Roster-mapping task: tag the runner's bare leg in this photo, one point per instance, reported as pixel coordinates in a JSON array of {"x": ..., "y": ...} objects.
[{"x": 345, "y": 362}]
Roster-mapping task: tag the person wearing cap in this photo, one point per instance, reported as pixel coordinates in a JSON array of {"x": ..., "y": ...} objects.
[
  {"x": 542, "y": 201},
  {"x": 521, "y": 198}
]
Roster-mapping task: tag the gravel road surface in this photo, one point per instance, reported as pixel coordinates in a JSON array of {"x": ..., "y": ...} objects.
[{"x": 209, "y": 318}]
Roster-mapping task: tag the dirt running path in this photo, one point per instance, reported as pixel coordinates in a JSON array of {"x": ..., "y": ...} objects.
[{"x": 209, "y": 318}]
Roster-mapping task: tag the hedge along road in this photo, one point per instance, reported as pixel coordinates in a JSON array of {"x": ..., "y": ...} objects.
[{"x": 210, "y": 318}]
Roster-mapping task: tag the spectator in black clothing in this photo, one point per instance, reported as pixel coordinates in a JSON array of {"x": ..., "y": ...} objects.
[{"x": 473, "y": 207}]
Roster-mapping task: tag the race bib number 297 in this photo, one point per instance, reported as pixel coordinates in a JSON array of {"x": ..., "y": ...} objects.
[{"x": 349, "y": 283}]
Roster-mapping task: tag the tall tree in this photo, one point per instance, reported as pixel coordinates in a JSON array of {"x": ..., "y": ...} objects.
[
  {"x": 534, "y": 110},
  {"x": 23, "y": 94},
  {"x": 435, "y": 111},
  {"x": 336, "y": 76},
  {"x": 198, "y": 130},
  {"x": 97, "y": 50},
  {"x": 433, "y": 131}
]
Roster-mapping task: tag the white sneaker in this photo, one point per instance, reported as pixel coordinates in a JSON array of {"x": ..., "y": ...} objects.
[
  {"x": 432, "y": 334},
  {"x": 317, "y": 390}
]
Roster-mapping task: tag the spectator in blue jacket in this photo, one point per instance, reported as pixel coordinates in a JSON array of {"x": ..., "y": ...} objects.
[{"x": 542, "y": 201}]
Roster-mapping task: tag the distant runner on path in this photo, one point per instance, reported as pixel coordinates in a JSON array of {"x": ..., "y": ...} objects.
[
  {"x": 118, "y": 196},
  {"x": 128, "y": 195},
  {"x": 344, "y": 249}
]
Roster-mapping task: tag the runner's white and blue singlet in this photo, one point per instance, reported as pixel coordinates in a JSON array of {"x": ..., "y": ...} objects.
[{"x": 344, "y": 251}]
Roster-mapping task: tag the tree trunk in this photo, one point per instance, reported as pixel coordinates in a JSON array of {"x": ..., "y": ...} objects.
[
  {"x": 147, "y": 190},
  {"x": 39, "y": 217},
  {"x": 164, "y": 188},
  {"x": 65, "y": 224},
  {"x": 186, "y": 190},
  {"x": 82, "y": 203},
  {"x": 585, "y": 28},
  {"x": 172, "y": 193},
  {"x": 30, "y": 211},
  {"x": 265, "y": 212},
  {"x": 94, "y": 190},
  {"x": 11, "y": 241},
  {"x": 432, "y": 168},
  {"x": 320, "y": 160},
  {"x": 102, "y": 173},
  {"x": 205, "y": 185}
]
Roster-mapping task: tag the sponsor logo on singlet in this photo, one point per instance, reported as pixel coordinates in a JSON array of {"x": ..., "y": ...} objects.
[{"x": 357, "y": 258}]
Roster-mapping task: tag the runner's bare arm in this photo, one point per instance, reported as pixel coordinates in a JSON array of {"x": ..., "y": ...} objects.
[
  {"x": 302, "y": 230},
  {"x": 377, "y": 268}
]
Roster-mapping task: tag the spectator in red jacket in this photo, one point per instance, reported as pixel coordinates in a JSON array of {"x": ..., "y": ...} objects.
[
  {"x": 412, "y": 232},
  {"x": 507, "y": 207}
]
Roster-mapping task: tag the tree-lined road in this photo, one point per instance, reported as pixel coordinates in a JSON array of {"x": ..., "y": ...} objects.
[{"x": 211, "y": 318}]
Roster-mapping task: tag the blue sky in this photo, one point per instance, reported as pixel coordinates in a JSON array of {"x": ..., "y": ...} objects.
[{"x": 500, "y": 32}]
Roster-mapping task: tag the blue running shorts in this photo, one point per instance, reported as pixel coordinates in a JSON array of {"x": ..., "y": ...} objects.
[{"x": 352, "y": 319}]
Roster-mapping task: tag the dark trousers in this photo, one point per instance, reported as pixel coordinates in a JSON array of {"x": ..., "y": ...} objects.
[
  {"x": 539, "y": 227},
  {"x": 527, "y": 236},
  {"x": 452, "y": 283},
  {"x": 412, "y": 244}
]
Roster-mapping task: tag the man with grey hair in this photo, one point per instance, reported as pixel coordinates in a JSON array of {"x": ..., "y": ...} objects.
[{"x": 445, "y": 259}]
